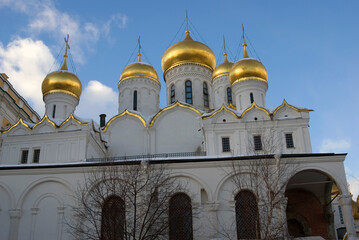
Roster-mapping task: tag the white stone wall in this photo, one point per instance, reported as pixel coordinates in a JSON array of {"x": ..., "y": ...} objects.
[
  {"x": 219, "y": 96},
  {"x": 256, "y": 122},
  {"x": 65, "y": 105},
  {"x": 147, "y": 95},
  {"x": 127, "y": 136},
  {"x": 197, "y": 74},
  {"x": 241, "y": 93},
  {"x": 36, "y": 202}
]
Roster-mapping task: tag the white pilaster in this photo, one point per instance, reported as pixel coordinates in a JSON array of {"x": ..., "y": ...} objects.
[{"x": 345, "y": 202}]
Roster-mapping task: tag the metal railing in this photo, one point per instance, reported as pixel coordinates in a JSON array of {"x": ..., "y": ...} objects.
[{"x": 148, "y": 156}]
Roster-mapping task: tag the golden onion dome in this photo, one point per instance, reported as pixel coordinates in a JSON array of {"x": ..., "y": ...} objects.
[
  {"x": 247, "y": 68},
  {"x": 188, "y": 51},
  {"x": 62, "y": 81},
  {"x": 222, "y": 69},
  {"x": 139, "y": 69}
]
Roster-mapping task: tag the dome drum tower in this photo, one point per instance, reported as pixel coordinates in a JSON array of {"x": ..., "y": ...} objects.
[
  {"x": 248, "y": 78},
  {"x": 222, "y": 92},
  {"x": 139, "y": 88},
  {"x": 187, "y": 67},
  {"x": 61, "y": 91}
]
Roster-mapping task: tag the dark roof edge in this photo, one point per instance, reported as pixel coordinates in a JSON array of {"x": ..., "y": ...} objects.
[{"x": 165, "y": 161}]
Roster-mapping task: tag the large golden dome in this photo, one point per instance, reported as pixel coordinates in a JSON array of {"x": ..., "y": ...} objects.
[
  {"x": 247, "y": 68},
  {"x": 62, "y": 81},
  {"x": 139, "y": 69},
  {"x": 222, "y": 69},
  {"x": 188, "y": 51}
]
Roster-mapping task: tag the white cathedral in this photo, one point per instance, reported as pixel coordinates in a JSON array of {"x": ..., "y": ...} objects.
[{"x": 216, "y": 116}]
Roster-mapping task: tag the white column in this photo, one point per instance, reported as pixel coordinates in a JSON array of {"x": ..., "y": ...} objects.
[
  {"x": 15, "y": 215},
  {"x": 211, "y": 208},
  {"x": 60, "y": 221},
  {"x": 34, "y": 212},
  {"x": 345, "y": 202},
  {"x": 284, "y": 202}
]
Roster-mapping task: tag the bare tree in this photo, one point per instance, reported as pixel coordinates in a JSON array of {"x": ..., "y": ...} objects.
[
  {"x": 127, "y": 201},
  {"x": 260, "y": 183}
]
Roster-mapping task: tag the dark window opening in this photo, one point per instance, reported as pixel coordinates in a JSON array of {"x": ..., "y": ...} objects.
[
  {"x": 257, "y": 142},
  {"x": 53, "y": 111},
  {"x": 289, "y": 140},
  {"x": 113, "y": 219},
  {"x": 180, "y": 213},
  {"x": 247, "y": 217},
  {"x": 189, "y": 92},
  {"x": 173, "y": 92},
  {"x": 225, "y": 144},
  {"x": 135, "y": 100},
  {"x": 36, "y": 156},
  {"x": 251, "y": 97},
  {"x": 205, "y": 95},
  {"x": 24, "y": 155},
  {"x": 229, "y": 95}
]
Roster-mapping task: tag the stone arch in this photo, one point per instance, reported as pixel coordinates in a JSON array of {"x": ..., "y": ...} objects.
[
  {"x": 225, "y": 180},
  {"x": 60, "y": 201},
  {"x": 7, "y": 203},
  {"x": 308, "y": 192},
  {"x": 9, "y": 193},
  {"x": 40, "y": 181},
  {"x": 43, "y": 208},
  {"x": 342, "y": 185},
  {"x": 199, "y": 181}
]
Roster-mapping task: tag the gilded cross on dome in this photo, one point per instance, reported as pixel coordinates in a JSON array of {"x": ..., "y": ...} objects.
[
  {"x": 139, "y": 49},
  {"x": 64, "y": 64},
  {"x": 67, "y": 44},
  {"x": 245, "y": 54}
]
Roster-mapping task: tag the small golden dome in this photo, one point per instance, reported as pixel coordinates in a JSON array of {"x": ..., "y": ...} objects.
[
  {"x": 62, "y": 81},
  {"x": 139, "y": 69},
  {"x": 222, "y": 69},
  {"x": 247, "y": 68},
  {"x": 188, "y": 51}
]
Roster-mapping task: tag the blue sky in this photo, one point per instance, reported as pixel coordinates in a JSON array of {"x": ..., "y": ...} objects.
[{"x": 309, "y": 48}]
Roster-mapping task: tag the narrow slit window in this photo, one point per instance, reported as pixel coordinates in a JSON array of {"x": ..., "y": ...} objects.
[
  {"x": 24, "y": 156},
  {"x": 53, "y": 111},
  {"x": 229, "y": 95},
  {"x": 257, "y": 140},
  {"x": 251, "y": 97},
  {"x": 289, "y": 140},
  {"x": 36, "y": 156},
  {"x": 173, "y": 93},
  {"x": 205, "y": 95},
  {"x": 188, "y": 92},
  {"x": 135, "y": 100},
  {"x": 226, "y": 144}
]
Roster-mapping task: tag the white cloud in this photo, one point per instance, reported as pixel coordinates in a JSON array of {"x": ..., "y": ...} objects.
[
  {"x": 119, "y": 20},
  {"x": 96, "y": 99},
  {"x": 336, "y": 146},
  {"x": 27, "y": 62},
  {"x": 44, "y": 17},
  {"x": 354, "y": 187},
  {"x": 49, "y": 19}
]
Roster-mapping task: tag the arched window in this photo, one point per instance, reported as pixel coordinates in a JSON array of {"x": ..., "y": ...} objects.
[
  {"x": 135, "y": 100},
  {"x": 180, "y": 217},
  {"x": 189, "y": 92},
  {"x": 251, "y": 97},
  {"x": 229, "y": 95},
  {"x": 247, "y": 215},
  {"x": 53, "y": 111},
  {"x": 113, "y": 219},
  {"x": 173, "y": 92},
  {"x": 205, "y": 95}
]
